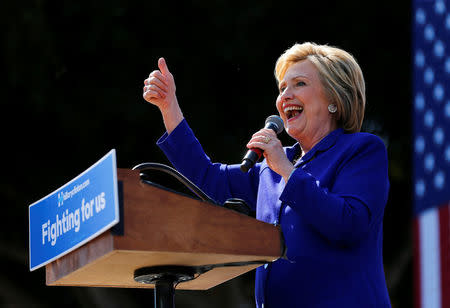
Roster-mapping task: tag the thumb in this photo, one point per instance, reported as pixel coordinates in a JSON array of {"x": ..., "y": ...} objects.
[{"x": 162, "y": 65}]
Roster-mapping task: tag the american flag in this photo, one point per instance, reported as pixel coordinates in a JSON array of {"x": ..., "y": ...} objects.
[{"x": 431, "y": 132}]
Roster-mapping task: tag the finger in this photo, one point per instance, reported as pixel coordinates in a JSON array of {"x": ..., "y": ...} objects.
[
  {"x": 259, "y": 140},
  {"x": 155, "y": 88},
  {"x": 269, "y": 131},
  {"x": 262, "y": 137},
  {"x": 257, "y": 145},
  {"x": 163, "y": 67},
  {"x": 157, "y": 74},
  {"x": 151, "y": 95},
  {"x": 157, "y": 82},
  {"x": 266, "y": 132},
  {"x": 259, "y": 133}
]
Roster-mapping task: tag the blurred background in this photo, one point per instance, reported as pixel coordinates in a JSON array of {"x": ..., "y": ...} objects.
[{"x": 71, "y": 90}]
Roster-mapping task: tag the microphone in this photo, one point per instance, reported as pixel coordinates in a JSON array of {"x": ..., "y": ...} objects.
[{"x": 273, "y": 122}]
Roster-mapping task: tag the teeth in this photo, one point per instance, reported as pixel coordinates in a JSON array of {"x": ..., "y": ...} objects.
[{"x": 291, "y": 108}]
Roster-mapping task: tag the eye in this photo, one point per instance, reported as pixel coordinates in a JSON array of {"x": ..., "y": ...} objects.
[
  {"x": 300, "y": 84},
  {"x": 282, "y": 87}
]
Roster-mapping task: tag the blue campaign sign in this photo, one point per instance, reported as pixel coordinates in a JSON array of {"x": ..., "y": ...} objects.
[{"x": 75, "y": 213}]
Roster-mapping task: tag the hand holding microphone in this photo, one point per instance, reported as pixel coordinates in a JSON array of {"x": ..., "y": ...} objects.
[
  {"x": 274, "y": 123},
  {"x": 265, "y": 142}
]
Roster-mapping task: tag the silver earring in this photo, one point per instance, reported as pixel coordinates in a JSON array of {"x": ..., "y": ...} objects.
[{"x": 332, "y": 108}]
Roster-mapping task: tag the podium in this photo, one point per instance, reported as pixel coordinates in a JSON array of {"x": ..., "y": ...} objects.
[{"x": 165, "y": 234}]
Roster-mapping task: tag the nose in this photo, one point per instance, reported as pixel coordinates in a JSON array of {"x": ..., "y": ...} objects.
[{"x": 286, "y": 95}]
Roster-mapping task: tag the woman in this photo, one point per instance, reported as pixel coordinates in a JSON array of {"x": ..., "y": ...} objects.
[{"x": 328, "y": 191}]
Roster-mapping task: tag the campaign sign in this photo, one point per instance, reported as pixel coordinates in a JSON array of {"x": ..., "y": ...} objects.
[{"x": 75, "y": 213}]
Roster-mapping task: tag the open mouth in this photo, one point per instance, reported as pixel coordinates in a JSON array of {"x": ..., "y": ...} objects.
[{"x": 292, "y": 111}]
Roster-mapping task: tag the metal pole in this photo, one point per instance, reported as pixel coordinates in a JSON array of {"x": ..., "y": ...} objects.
[{"x": 164, "y": 292}]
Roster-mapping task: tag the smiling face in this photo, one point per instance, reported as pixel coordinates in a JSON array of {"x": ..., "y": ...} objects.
[{"x": 303, "y": 105}]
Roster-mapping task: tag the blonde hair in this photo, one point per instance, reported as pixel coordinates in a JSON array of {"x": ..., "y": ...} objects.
[{"x": 340, "y": 75}]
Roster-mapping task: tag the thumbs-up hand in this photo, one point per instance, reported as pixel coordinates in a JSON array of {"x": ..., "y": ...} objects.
[{"x": 160, "y": 87}]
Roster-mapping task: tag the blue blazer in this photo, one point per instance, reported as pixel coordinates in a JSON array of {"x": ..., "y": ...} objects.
[{"x": 330, "y": 211}]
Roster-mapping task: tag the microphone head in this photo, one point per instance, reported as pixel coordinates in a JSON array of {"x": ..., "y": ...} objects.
[{"x": 277, "y": 121}]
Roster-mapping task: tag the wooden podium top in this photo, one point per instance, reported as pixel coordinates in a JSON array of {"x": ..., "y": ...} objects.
[{"x": 165, "y": 228}]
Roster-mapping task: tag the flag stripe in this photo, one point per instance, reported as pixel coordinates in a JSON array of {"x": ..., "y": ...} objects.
[
  {"x": 444, "y": 244},
  {"x": 430, "y": 265},
  {"x": 431, "y": 235},
  {"x": 416, "y": 269}
]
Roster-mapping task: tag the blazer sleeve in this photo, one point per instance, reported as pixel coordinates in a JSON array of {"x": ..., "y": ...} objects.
[
  {"x": 219, "y": 181},
  {"x": 346, "y": 211}
]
